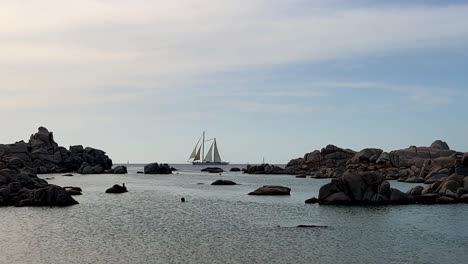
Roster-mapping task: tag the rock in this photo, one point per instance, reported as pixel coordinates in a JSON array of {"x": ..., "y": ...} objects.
[
  {"x": 426, "y": 198},
  {"x": 119, "y": 170},
  {"x": 415, "y": 190},
  {"x": 140, "y": 172},
  {"x": 68, "y": 175},
  {"x": 213, "y": 170},
  {"x": 312, "y": 200},
  {"x": 464, "y": 160},
  {"x": 311, "y": 226},
  {"x": 399, "y": 197},
  {"x": 448, "y": 188},
  {"x": 439, "y": 144},
  {"x": 445, "y": 200},
  {"x": 223, "y": 182},
  {"x": 435, "y": 178},
  {"x": 265, "y": 169},
  {"x": 117, "y": 189},
  {"x": 272, "y": 190},
  {"x": 368, "y": 155},
  {"x": 78, "y": 189},
  {"x": 89, "y": 169},
  {"x": 464, "y": 198},
  {"x": 73, "y": 192},
  {"x": 48, "y": 196},
  {"x": 301, "y": 176},
  {"x": 155, "y": 168},
  {"x": 173, "y": 169},
  {"x": 235, "y": 169},
  {"x": 461, "y": 191},
  {"x": 361, "y": 189}
]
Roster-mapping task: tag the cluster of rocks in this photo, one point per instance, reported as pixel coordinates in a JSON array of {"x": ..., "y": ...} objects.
[
  {"x": 371, "y": 188},
  {"x": 41, "y": 154},
  {"x": 156, "y": 168},
  {"x": 24, "y": 188},
  {"x": 414, "y": 164},
  {"x": 265, "y": 169}
]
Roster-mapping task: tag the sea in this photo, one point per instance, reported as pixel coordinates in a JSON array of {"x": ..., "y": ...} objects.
[{"x": 222, "y": 224}]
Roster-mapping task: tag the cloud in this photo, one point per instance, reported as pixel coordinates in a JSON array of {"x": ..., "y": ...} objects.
[{"x": 69, "y": 51}]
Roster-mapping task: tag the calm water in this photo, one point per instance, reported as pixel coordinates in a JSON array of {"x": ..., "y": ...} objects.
[{"x": 222, "y": 224}]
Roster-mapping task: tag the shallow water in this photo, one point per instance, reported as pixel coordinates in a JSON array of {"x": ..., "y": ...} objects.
[{"x": 222, "y": 224}]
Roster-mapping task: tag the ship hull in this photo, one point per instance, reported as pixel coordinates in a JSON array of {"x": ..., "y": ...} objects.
[{"x": 210, "y": 163}]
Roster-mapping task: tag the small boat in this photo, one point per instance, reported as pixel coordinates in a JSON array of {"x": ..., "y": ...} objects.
[{"x": 212, "y": 157}]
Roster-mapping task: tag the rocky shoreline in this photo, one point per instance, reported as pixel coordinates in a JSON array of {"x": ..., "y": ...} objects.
[{"x": 22, "y": 161}]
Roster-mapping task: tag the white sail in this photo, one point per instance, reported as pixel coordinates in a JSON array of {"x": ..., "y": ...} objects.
[
  {"x": 209, "y": 155},
  {"x": 217, "y": 157},
  {"x": 197, "y": 156},
  {"x": 194, "y": 152}
]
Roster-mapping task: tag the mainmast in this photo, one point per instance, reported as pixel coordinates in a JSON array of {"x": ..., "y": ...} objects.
[{"x": 203, "y": 147}]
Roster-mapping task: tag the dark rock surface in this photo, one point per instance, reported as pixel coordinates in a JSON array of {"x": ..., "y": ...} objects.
[
  {"x": 43, "y": 155},
  {"x": 235, "y": 169},
  {"x": 223, "y": 182},
  {"x": 155, "y": 168},
  {"x": 213, "y": 170},
  {"x": 117, "y": 189},
  {"x": 312, "y": 200},
  {"x": 413, "y": 164},
  {"x": 272, "y": 190},
  {"x": 24, "y": 188},
  {"x": 371, "y": 188},
  {"x": 264, "y": 169},
  {"x": 119, "y": 170}
]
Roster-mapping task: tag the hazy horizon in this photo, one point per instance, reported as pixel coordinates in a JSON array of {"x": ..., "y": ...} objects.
[{"x": 275, "y": 79}]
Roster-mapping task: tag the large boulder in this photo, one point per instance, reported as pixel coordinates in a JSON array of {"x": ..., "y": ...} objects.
[
  {"x": 439, "y": 144},
  {"x": 271, "y": 190},
  {"x": 117, "y": 189},
  {"x": 89, "y": 169},
  {"x": 360, "y": 189},
  {"x": 119, "y": 170},
  {"x": 464, "y": 160},
  {"x": 368, "y": 155},
  {"x": 155, "y": 168}
]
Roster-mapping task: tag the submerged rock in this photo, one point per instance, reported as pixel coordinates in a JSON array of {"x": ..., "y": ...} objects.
[
  {"x": 272, "y": 190},
  {"x": 213, "y": 170}
]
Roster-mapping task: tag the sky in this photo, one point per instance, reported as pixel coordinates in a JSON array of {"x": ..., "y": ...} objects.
[{"x": 270, "y": 79}]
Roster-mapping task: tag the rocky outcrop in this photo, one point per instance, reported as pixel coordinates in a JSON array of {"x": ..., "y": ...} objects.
[
  {"x": 223, "y": 182},
  {"x": 43, "y": 155},
  {"x": 235, "y": 169},
  {"x": 264, "y": 169},
  {"x": 413, "y": 164},
  {"x": 24, "y": 188},
  {"x": 213, "y": 170},
  {"x": 357, "y": 188},
  {"x": 117, "y": 189},
  {"x": 272, "y": 190},
  {"x": 155, "y": 168}
]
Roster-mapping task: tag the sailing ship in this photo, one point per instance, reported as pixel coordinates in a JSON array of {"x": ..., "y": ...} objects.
[{"x": 213, "y": 157}]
